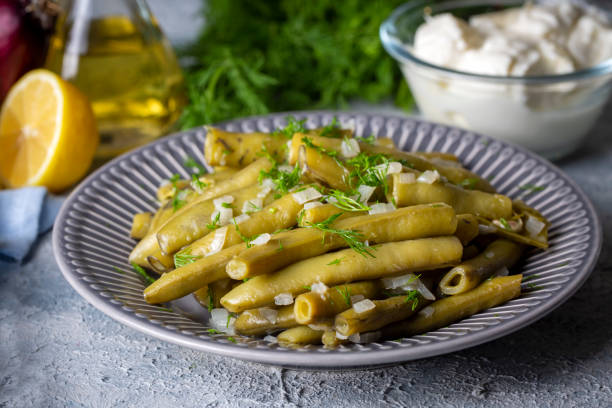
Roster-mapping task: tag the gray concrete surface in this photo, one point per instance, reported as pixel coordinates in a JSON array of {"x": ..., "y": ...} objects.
[{"x": 56, "y": 350}]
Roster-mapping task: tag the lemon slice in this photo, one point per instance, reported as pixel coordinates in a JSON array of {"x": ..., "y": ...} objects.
[{"x": 48, "y": 134}]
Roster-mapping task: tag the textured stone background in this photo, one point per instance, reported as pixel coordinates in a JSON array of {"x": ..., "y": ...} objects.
[{"x": 57, "y": 350}]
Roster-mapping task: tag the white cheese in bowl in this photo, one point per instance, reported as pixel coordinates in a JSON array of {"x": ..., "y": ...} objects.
[{"x": 532, "y": 40}]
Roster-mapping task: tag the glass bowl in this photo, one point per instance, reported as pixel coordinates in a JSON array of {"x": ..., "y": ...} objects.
[{"x": 550, "y": 115}]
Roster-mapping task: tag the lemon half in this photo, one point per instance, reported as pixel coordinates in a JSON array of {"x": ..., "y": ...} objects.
[{"x": 48, "y": 133}]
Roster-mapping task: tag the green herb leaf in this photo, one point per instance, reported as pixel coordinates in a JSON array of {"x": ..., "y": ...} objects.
[
  {"x": 140, "y": 270},
  {"x": 191, "y": 163},
  {"x": 354, "y": 239},
  {"x": 283, "y": 180},
  {"x": 213, "y": 331},
  {"x": 226, "y": 205},
  {"x": 215, "y": 222},
  {"x": 336, "y": 261},
  {"x": 531, "y": 188},
  {"x": 233, "y": 340},
  {"x": 413, "y": 296},
  {"x": 184, "y": 257},
  {"x": 293, "y": 126},
  {"x": 469, "y": 183},
  {"x": 505, "y": 224},
  {"x": 346, "y": 294},
  {"x": 346, "y": 203}
]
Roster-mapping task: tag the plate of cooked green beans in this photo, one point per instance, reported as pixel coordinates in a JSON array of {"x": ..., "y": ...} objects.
[{"x": 327, "y": 239}]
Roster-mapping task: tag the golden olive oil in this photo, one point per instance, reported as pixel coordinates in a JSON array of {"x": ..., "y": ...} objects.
[{"x": 131, "y": 78}]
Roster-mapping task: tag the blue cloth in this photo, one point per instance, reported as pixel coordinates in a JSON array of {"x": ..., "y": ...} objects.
[{"x": 25, "y": 213}]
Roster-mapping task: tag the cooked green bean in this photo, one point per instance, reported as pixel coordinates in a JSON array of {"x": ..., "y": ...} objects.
[
  {"x": 257, "y": 322},
  {"x": 386, "y": 311},
  {"x": 300, "y": 335},
  {"x": 467, "y": 228},
  {"x": 454, "y": 174},
  {"x": 166, "y": 190},
  {"x": 448, "y": 310},
  {"x": 330, "y": 340},
  {"x": 469, "y": 274},
  {"x": 464, "y": 201},
  {"x": 277, "y": 215},
  {"x": 196, "y": 221},
  {"x": 191, "y": 277},
  {"x": 390, "y": 258},
  {"x": 320, "y": 167},
  {"x": 209, "y": 296},
  {"x": 141, "y": 222},
  {"x": 312, "y": 306},
  {"x": 241, "y": 149},
  {"x": 286, "y": 248},
  {"x": 322, "y": 212}
]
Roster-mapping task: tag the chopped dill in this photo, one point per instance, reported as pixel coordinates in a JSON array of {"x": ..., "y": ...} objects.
[
  {"x": 283, "y": 180},
  {"x": 505, "y": 224},
  {"x": 213, "y": 331},
  {"x": 346, "y": 295},
  {"x": 354, "y": 239},
  {"x": 293, "y": 126},
  {"x": 336, "y": 261},
  {"x": 346, "y": 202},
  {"x": 184, "y": 257},
  {"x": 414, "y": 296},
  {"x": 215, "y": 222},
  {"x": 140, "y": 270},
  {"x": 532, "y": 188},
  {"x": 191, "y": 163},
  {"x": 469, "y": 183}
]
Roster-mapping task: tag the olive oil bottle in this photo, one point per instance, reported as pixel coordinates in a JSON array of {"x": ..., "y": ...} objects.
[{"x": 115, "y": 53}]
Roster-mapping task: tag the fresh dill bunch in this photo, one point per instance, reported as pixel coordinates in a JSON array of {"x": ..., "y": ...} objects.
[{"x": 250, "y": 58}]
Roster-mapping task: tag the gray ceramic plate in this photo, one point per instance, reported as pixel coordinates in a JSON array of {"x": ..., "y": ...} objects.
[{"x": 91, "y": 242}]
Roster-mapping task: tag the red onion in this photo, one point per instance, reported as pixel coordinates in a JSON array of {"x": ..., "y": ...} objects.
[{"x": 25, "y": 27}]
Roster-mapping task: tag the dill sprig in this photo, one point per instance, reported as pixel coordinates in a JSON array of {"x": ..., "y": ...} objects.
[
  {"x": 346, "y": 202},
  {"x": 332, "y": 130},
  {"x": 532, "y": 188},
  {"x": 370, "y": 170},
  {"x": 177, "y": 199},
  {"x": 293, "y": 126},
  {"x": 414, "y": 296},
  {"x": 184, "y": 257},
  {"x": 243, "y": 237},
  {"x": 354, "y": 239},
  {"x": 215, "y": 222},
  {"x": 140, "y": 270},
  {"x": 346, "y": 295},
  {"x": 283, "y": 180},
  {"x": 336, "y": 261},
  {"x": 191, "y": 163}
]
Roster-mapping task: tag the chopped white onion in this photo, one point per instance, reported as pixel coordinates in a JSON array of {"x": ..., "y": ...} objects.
[
  {"x": 268, "y": 183},
  {"x": 381, "y": 208},
  {"x": 182, "y": 195},
  {"x": 240, "y": 218},
  {"x": 225, "y": 215},
  {"x": 252, "y": 205},
  {"x": 227, "y": 199},
  {"x": 349, "y": 148},
  {"x": 264, "y": 191},
  {"x": 399, "y": 281},
  {"x": 270, "y": 339},
  {"x": 216, "y": 244},
  {"x": 304, "y": 196},
  {"x": 489, "y": 255},
  {"x": 534, "y": 226},
  {"x": 283, "y": 299},
  {"x": 426, "y": 311},
  {"x": 420, "y": 287},
  {"x": 196, "y": 187},
  {"x": 219, "y": 320},
  {"x": 312, "y": 204},
  {"x": 321, "y": 326},
  {"x": 366, "y": 243},
  {"x": 486, "y": 229},
  {"x": 364, "y": 338},
  {"x": 365, "y": 192},
  {"x": 363, "y": 306},
  {"x": 394, "y": 168},
  {"x": 319, "y": 287},
  {"x": 261, "y": 239},
  {"x": 269, "y": 314},
  {"x": 510, "y": 225},
  {"x": 406, "y": 178},
  {"x": 503, "y": 271},
  {"x": 285, "y": 168},
  {"x": 356, "y": 298},
  {"x": 341, "y": 336},
  {"x": 429, "y": 177}
]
